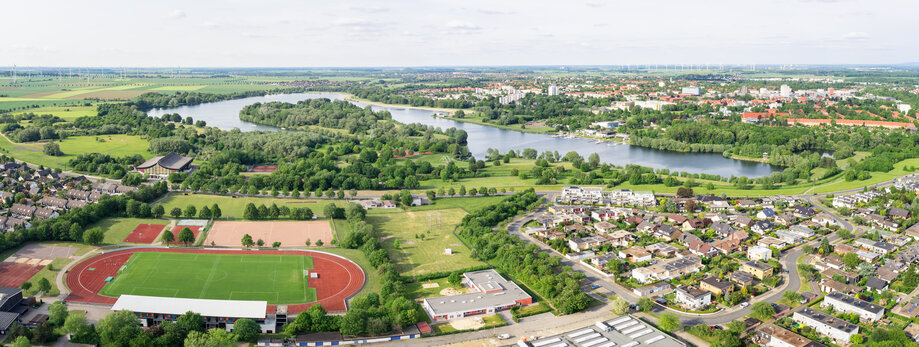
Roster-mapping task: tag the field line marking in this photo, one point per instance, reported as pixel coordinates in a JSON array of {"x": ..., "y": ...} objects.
[{"x": 207, "y": 283}]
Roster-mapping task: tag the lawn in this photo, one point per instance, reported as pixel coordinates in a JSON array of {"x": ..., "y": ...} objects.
[
  {"x": 115, "y": 145},
  {"x": 50, "y": 273},
  {"x": 469, "y": 204},
  {"x": 234, "y": 207},
  {"x": 116, "y": 229},
  {"x": 416, "y": 255},
  {"x": 278, "y": 279}
]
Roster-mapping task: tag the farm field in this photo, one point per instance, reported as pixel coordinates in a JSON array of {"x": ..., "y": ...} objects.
[
  {"x": 416, "y": 255},
  {"x": 115, "y": 145},
  {"x": 278, "y": 279},
  {"x": 68, "y": 113}
]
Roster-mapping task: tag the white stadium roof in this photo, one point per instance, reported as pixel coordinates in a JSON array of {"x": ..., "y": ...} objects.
[{"x": 204, "y": 307}]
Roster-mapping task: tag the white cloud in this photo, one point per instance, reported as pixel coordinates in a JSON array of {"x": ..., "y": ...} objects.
[
  {"x": 463, "y": 25},
  {"x": 856, "y": 36},
  {"x": 176, "y": 14}
]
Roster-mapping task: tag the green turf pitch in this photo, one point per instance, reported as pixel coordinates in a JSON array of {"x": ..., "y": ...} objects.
[{"x": 278, "y": 279}]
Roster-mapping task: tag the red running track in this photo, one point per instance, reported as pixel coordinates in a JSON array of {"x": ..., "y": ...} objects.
[{"x": 339, "y": 278}]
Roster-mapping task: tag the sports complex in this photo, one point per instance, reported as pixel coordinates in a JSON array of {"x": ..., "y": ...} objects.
[{"x": 212, "y": 280}]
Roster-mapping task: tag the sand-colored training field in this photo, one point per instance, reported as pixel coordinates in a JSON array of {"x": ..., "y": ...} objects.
[{"x": 289, "y": 234}]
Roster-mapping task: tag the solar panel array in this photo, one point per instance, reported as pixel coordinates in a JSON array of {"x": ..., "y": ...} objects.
[{"x": 625, "y": 331}]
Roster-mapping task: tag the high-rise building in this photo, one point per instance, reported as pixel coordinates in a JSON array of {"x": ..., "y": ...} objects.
[
  {"x": 744, "y": 90},
  {"x": 553, "y": 90},
  {"x": 695, "y": 91},
  {"x": 785, "y": 91}
]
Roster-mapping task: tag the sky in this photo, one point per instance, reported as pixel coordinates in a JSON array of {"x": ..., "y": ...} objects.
[{"x": 310, "y": 33}]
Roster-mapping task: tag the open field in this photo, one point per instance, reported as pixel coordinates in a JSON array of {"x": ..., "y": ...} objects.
[
  {"x": 234, "y": 207},
  {"x": 68, "y": 113},
  {"x": 468, "y": 204},
  {"x": 116, "y": 229},
  {"x": 278, "y": 279},
  {"x": 288, "y": 233},
  {"x": 115, "y": 145},
  {"x": 417, "y": 255}
]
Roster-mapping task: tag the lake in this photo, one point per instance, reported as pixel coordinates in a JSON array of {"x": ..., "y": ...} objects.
[{"x": 225, "y": 115}]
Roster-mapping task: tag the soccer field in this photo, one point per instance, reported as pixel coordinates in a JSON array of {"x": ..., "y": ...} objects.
[{"x": 278, "y": 279}]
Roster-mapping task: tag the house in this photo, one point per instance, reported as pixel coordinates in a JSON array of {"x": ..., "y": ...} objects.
[
  {"x": 849, "y": 277},
  {"x": 667, "y": 232},
  {"x": 824, "y": 219},
  {"x": 875, "y": 246},
  {"x": 757, "y": 268},
  {"x": 667, "y": 269},
  {"x": 23, "y": 211},
  {"x": 635, "y": 254},
  {"x": 826, "y": 324},
  {"x": 759, "y": 253},
  {"x": 45, "y": 213},
  {"x": 580, "y": 255},
  {"x": 762, "y": 227},
  {"x": 742, "y": 278},
  {"x": 719, "y": 205},
  {"x": 803, "y": 212},
  {"x": 162, "y": 166},
  {"x": 663, "y": 249},
  {"x": 743, "y": 221},
  {"x": 654, "y": 289},
  {"x": 722, "y": 229},
  {"x": 786, "y": 219},
  {"x": 876, "y": 284},
  {"x": 727, "y": 245},
  {"x": 771, "y": 335},
  {"x": 605, "y": 227},
  {"x": 620, "y": 238},
  {"x": 582, "y": 195},
  {"x": 787, "y": 236},
  {"x": 770, "y": 241},
  {"x": 849, "y": 304},
  {"x": 898, "y": 213},
  {"x": 583, "y": 244},
  {"x": 802, "y": 231},
  {"x": 676, "y": 219},
  {"x": 913, "y": 231},
  {"x": 746, "y": 203},
  {"x": 702, "y": 249},
  {"x": 600, "y": 261},
  {"x": 843, "y": 249},
  {"x": 716, "y": 285},
  {"x": 766, "y": 213},
  {"x": 693, "y": 298}
]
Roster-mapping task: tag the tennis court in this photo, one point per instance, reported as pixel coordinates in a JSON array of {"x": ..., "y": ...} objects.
[{"x": 145, "y": 233}]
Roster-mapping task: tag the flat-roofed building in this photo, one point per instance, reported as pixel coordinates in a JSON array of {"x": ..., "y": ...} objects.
[
  {"x": 771, "y": 335},
  {"x": 491, "y": 293},
  {"x": 153, "y": 310},
  {"x": 826, "y": 324},
  {"x": 845, "y": 303},
  {"x": 757, "y": 268}
]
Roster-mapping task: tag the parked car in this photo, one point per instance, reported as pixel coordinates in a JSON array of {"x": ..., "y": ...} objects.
[
  {"x": 504, "y": 336},
  {"x": 744, "y": 304},
  {"x": 595, "y": 286}
]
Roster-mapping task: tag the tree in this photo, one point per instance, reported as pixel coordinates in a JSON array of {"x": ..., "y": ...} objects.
[
  {"x": 668, "y": 322},
  {"x": 94, "y": 236},
  {"x": 190, "y": 211},
  {"x": 276, "y": 244},
  {"x": 57, "y": 313},
  {"x": 792, "y": 297},
  {"x": 684, "y": 192},
  {"x": 319, "y": 243},
  {"x": 212, "y": 338},
  {"x": 118, "y": 328},
  {"x": 825, "y": 246},
  {"x": 205, "y": 213},
  {"x": 260, "y": 243},
  {"x": 308, "y": 242},
  {"x": 851, "y": 260},
  {"x": 353, "y": 322},
  {"x": 247, "y": 241},
  {"x": 22, "y": 341},
  {"x": 175, "y": 212},
  {"x": 158, "y": 211},
  {"x": 52, "y": 149},
  {"x": 168, "y": 237},
  {"x": 246, "y": 329},
  {"x": 215, "y": 211},
  {"x": 25, "y": 285},
  {"x": 251, "y": 212},
  {"x": 186, "y": 236},
  {"x": 763, "y": 310},
  {"x": 620, "y": 306},
  {"x": 455, "y": 279},
  {"x": 43, "y": 286},
  {"x": 79, "y": 329},
  {"x": 190, "y": 321},
  {"x": 645, "y": 304}
]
